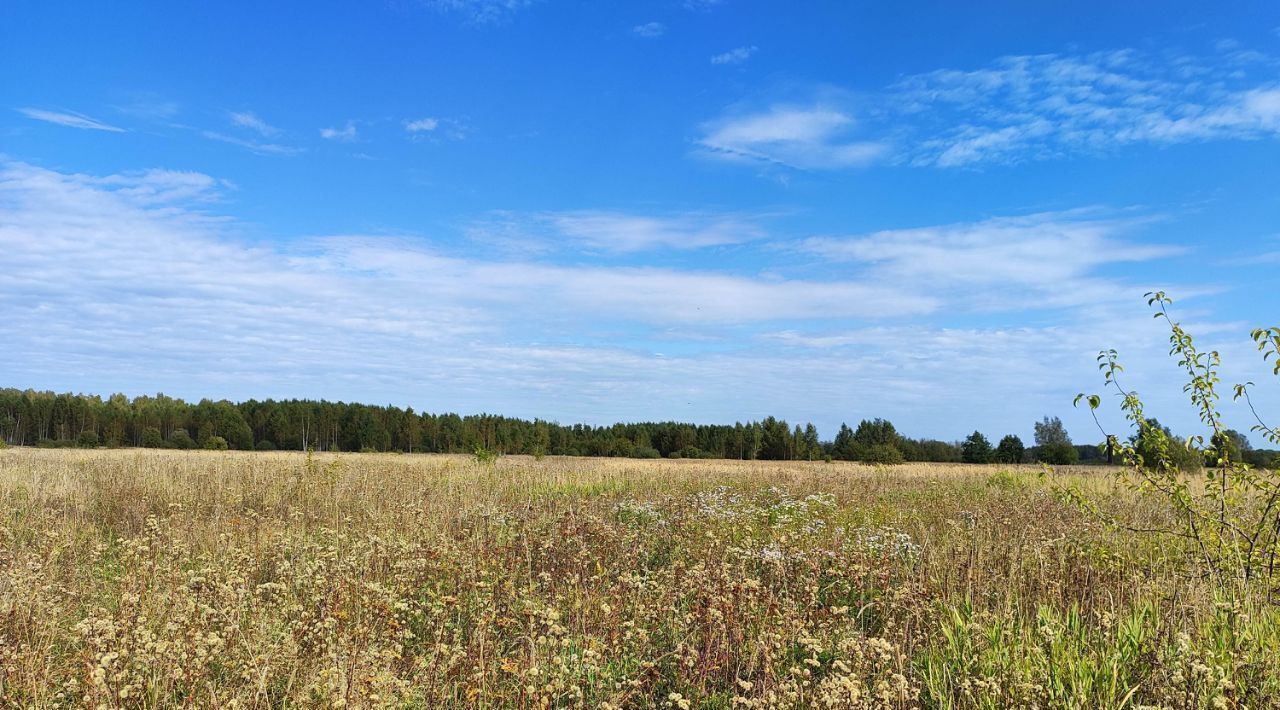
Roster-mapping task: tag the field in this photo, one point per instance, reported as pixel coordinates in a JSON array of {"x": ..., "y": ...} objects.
[{"x": 133, "y": 578}]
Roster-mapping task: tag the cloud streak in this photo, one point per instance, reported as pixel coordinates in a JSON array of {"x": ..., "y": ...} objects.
[
  {"x": 803, "y": 137},
  {"x": 1032, "y": 107},
  {"x": 68, "y": 119},
  {"x": 253, "y": 146},
  {"x": 480, "y": 12},
  {"x": 615, "y": 232},
  {"x": 250, "y": 120},
  {"x": 1046, "y": 260},
  {"x": 1017, "y": 109},
  {"x": 136, "y": 282}
]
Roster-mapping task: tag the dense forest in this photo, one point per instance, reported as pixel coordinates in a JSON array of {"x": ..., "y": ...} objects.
[{"x": 35, "y": 418}]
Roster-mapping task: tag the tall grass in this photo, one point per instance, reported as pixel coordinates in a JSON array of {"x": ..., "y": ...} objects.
[{"x": 216, "y": 579}]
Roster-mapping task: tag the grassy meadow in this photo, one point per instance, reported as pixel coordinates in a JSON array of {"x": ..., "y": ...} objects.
[{"x": 142, "y": 578}]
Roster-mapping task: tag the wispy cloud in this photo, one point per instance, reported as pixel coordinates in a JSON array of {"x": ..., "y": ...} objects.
[
  {"x": 702, "y": 5},
  {"x": 435, "y": 129},
  {"x": 803, "y": 137},
  {"x": 422, "y": 125},
  {"x": 648, "y": 294},
  {"x": 149, "y": 106},
  {"x": 1017, "y": 109},
  {"x": 480, "y": 11},
  {"x": 359, "y": 317},
  {"x": 1029, "y": 107},
  {"x": 250, "y": 120},
  {"x": 70, "y": 120},
  {"x": 734, "y": 56},
  {"x": 650, "y": 30},
  {"x": 254, "y": 146},
  {"x": 619, "y": 232},
  {"x": 159, "y": 187},
  {"x": 1006, "y": 263},
  {"x": 614, "y": 232},
  {"x": 345, "y": 134}
]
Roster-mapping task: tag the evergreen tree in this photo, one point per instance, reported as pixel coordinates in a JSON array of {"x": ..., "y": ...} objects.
[
  {"x": 976, "y": 449},
  {"x": 877, "y": 441},
  {"x": 1010, "y": 450},
  {"x": 844, "y": 447}
]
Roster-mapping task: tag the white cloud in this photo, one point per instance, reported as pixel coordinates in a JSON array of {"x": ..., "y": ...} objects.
[
  {"x": 70, "y": 120},
  {"x": 112, "y": 220},
  {"x": 254, "y": 146},
  {"x": 806, "y": 137},
  {"x": 645, "y": 294},
  {"x": 614, "y": 232},
  {"x": 650, "y": 29},
  {"x": 734, "y": 56},
  {"x": 422, "y": 125},
  {"x": 345, "y": 134},
  {"x": 132, "y": 282},
  {"x": 435, "y": 129},
  {"x": 250, "y": 120},
  {"x": 1017, "y": 109},
  {"x": 158, "y": 187},
  {"x": 1032, "y": 107},
  {"x": 630, "y": 233},
  {"x": 1008, "y": 263},
  {"x": 481, "y": 11},
  {"x": 150, "y": 107}
]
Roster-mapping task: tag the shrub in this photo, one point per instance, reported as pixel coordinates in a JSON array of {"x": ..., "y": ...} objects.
[
  {"x": 87, "y": 440},
  {"x": 264, "y": 445},
  {"x": 1006, "y": 481},
  {"x": 151, "y": 438},
  {"x": 1155, "y": 445},
  {"x": 645, "y": 452},
  {"x": 882, "y": 454},
  {"x": 484, "y": 456},
  {"x": 215, "y": 443},
  {"x": 180, "y": 439},
  {"x": 618, "y": 446},
  {"x": 1234, "y": 518},
  {"x": 1058, "y": 454},
  {"x": 693, "y": 452}
]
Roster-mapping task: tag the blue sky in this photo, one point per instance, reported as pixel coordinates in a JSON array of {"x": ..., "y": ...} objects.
[{"x": 698, "y": 210}]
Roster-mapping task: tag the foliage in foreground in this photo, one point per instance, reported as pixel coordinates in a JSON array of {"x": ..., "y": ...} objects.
[
  {"x": 1233, "y": 519},
  {"x": 218, "y": 579}
]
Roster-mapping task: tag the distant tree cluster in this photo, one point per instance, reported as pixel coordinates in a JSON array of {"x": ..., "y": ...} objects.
[
  {"x": 31, "y": 418},
  {"x": 34, "y": 418}
]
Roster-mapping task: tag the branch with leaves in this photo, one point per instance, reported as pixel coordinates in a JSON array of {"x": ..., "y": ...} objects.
[{"x": 1234, "y": 520}]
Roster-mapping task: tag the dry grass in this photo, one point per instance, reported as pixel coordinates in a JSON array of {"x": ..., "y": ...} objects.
[{"x": 150, "y": 579}]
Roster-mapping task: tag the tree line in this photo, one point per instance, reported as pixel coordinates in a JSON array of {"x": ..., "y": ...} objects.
[{"x": 41, "y": 418}]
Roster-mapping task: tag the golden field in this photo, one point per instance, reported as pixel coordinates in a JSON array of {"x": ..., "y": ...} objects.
[{"x": 142, "y": 579}]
